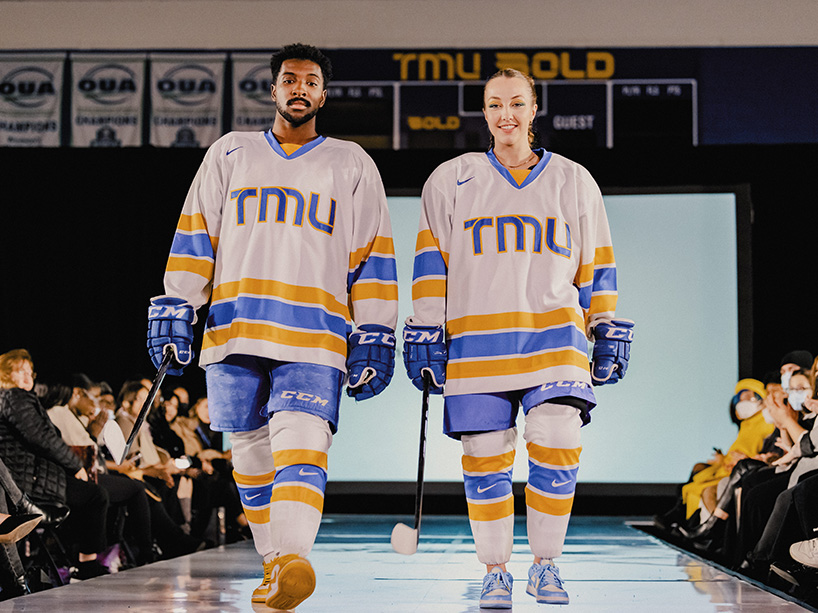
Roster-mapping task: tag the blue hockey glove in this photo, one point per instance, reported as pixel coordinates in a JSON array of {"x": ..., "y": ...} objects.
[
  {"x": 170, "y": 324},
  {"x": 371, "y": 361},
  {"x": 612, "y": 349},
  {"x": 424, "y": 350}
]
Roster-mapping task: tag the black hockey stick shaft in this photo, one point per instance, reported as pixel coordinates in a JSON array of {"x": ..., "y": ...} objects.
[
  {"x": 157, "y": 383},
  {"x": 424, "y": 420}
]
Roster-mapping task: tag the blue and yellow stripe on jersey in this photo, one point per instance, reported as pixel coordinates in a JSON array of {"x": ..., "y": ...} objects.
[
  {"x": 430, "y": 268},
  {"x": 514, "y": 343},
  {"x": 266, "y": 310},
  {"x": 193, "y": 249},
  {"x": 596, "y": 282},
  {"x": 373, "y": 274}
]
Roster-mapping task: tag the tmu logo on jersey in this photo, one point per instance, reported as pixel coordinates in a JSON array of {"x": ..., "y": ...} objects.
[
  {"x": 282, "y": 197},
  {"x": 522, "y": 226}
]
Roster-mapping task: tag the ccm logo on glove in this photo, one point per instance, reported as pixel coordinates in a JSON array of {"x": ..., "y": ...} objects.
[
  {"x": 167, "y": 311},
  {"x": 380, "y": 338},
  {"x": 433, "y": 335}
]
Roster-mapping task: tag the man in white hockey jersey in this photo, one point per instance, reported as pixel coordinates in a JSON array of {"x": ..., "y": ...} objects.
[
  {"x": 288, "y": 234},
  {"x": 513, "y": 273}
]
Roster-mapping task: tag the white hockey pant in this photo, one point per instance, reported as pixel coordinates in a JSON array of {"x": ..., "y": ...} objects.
[{"x": 281, "y": 473}]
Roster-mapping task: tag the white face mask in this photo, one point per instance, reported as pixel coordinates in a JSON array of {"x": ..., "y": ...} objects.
[
  {"x": 767, "y": 417},
  {"x": 796, "y": 398},
  {"x": 785, "y": 380},
  {"x": 747, "y": 408}
]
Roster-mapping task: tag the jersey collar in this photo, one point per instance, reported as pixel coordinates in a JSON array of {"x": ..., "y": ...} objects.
[
  {"x": 303, "y": 149},
  {"x": 546, "y": 157}
]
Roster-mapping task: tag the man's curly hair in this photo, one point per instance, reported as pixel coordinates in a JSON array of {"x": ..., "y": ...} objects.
[{"x": 298, "y": 51}]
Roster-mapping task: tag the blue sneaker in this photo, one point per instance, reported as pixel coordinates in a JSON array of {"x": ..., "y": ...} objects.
[
  {"x": 545, "y": 584},
  {"x": 496, "y": 590}
]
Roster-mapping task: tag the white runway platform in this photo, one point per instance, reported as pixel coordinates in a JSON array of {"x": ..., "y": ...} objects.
[{"x": 608, "y": 565}]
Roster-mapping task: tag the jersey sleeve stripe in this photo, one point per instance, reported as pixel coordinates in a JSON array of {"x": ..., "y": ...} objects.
[
  {"x": 202, "y": 267},
  {"x": 516, "y": 365},
  {"x": 275, "y": 312},
  {"x": 429, "y": 263},
  {"x": 216, "y": 337},
  {"x": 375, "y": 267},
  {"x": 381, "y": 245},
  {"x": 275, "y": 289},
  {"x": 192, "y": 223},
  {"x": 429, "y": 288},
  {"x": 197, "y": 245},
  {"x": 605, "y": 280},
  {"x": 374, "y": 291},
  {"x": 603, "y": 303},
  {"x": 513, "y": 320}
]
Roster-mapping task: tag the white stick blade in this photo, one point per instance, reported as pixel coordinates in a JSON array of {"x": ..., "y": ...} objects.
[{"x": 404, "y": 539}]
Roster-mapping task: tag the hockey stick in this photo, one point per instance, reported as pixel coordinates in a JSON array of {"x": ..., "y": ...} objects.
[
  {"x": 157, "y": 382},
  {"x": 405, "y": 539}
]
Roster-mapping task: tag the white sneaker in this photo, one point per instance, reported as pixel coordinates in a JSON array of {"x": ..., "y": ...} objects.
[
  {"x": 496, "y": 593},
  {"x": 805, "y": 552}
]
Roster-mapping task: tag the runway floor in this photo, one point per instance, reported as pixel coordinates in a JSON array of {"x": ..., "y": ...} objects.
[{"x": 608, "y": 565}]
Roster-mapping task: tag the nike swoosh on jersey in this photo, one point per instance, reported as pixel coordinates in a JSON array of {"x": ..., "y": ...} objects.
[
  {"x": 234, "y": 149},
  {"x": 306, "y": 474},
  {"x": 480, "y": 490},
  {"x": 556, "y": 483},
  {"x": 459, "y": 182}
]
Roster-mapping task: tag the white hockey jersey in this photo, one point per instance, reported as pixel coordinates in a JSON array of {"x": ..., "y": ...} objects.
[
  {"x": 290, "y": 249},
  {"x": 517, "y": 274}
]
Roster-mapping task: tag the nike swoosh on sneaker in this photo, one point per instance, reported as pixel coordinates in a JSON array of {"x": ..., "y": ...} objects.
[
  {"x": 459, "y": 182},
  {"x": 480, "y": 490},
  {"x": 555, "y": 483},
  {"x": 234, "y": 149}
]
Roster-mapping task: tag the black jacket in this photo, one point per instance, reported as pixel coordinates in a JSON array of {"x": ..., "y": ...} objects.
[{"x": 31, "y": 447}]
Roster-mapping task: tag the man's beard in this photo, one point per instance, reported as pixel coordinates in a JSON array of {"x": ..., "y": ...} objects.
[{"x": 295, "y": 121}]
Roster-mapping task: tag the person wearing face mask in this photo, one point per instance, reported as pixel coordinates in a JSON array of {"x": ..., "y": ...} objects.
[
  {"x": 746, "y": 412},
  {"x": 792, "y": 361},
  {"x": 794, "y": 413}
]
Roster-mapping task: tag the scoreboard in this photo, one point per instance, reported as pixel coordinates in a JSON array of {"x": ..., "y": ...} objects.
[{"x": 448, "y": 114}]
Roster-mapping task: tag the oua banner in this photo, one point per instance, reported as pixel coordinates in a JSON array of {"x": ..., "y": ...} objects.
[
  {"x": 187, "y": 94},
  {"x": 107, "y": 100},
  {"x": 253, "y": 107},
  {"x": 31, "y": 89}
]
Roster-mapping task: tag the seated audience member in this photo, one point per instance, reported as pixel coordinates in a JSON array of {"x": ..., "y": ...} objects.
[
  {"x": 157, "y": 469},
  {"x": 801, "y": 463},
  {"x": 727, "y": 488},
  {"x": 760, "y": 490},
  {"x": 44, "y": 467},
  {"x": 700, "y": 493},
  {"x": 211, "y": 488}
]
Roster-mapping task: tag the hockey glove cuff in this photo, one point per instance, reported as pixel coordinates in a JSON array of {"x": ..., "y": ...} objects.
[
  {"x": 170, "y": 324},
  {"x": 612, "y": 350},
  {"x": 424, "y": 350},
  {"x": 371, "y": 361}
]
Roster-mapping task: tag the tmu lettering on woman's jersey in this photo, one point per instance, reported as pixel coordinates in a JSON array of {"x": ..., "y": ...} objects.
[
  {"x": 520, "y": 223},
  {"x": 283, "y": 195}
]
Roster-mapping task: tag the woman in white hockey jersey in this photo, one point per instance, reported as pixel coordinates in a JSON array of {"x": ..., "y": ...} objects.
[
  {"x": 514, "y": 272},
  {"x": 288, "y": 234}
]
